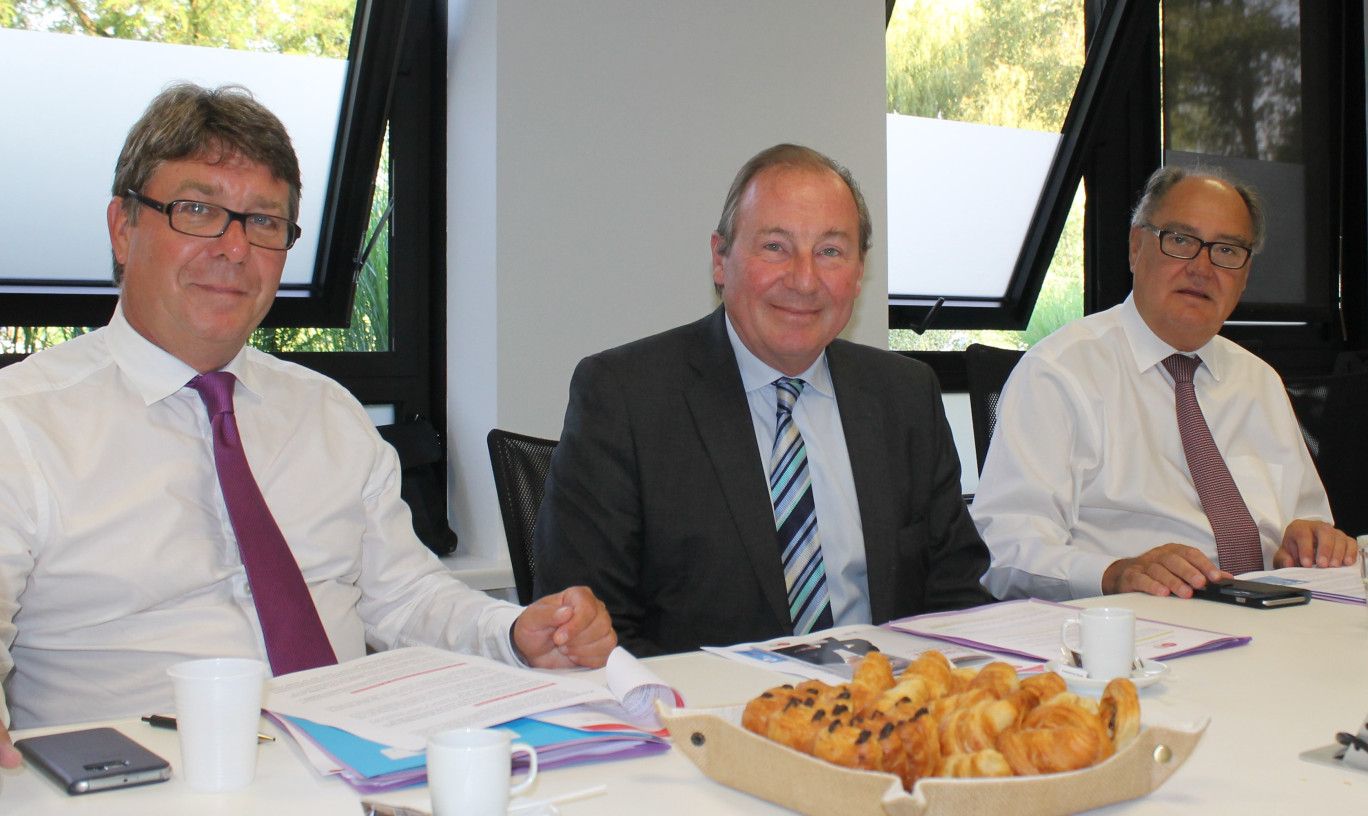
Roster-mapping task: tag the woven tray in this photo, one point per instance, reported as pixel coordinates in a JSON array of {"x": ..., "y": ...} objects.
[{"x": 727, "y": 753}]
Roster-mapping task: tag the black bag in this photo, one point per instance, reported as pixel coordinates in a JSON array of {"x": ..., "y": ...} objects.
[{"x": 422, "y": 460}]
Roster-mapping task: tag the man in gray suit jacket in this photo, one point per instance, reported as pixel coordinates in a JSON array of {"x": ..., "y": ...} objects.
[{"x": 677, "y": 448}]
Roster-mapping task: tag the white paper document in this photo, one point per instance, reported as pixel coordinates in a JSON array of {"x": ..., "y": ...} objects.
[
  {"x": 1030, "y": 629},
  {"x": 401, "y": 696},
  {"x": 1342, "y": 584}
]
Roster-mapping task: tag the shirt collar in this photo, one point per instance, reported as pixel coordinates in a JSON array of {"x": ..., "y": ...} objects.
[
  {"x": 1149, "y": 350},
  {"x": 153, "y": 371},
  {"x": 757, "y": 374}
]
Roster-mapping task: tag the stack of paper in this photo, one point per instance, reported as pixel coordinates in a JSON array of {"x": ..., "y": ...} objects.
[
  {"x": 367, "y": 720},
  {"x": 1030, "y": 629},
  {"x": 1340, "y": 584}
]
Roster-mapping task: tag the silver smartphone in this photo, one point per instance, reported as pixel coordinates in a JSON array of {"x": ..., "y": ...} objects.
[{"x": 93, "y": 760}]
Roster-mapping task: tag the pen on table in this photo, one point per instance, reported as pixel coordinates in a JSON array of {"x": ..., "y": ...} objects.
[{"x": 159, "y": 721}]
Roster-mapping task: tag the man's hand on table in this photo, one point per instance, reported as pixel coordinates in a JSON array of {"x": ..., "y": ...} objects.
[
  {"x": 1315, "y": 544},
  {"x": 9, "y": 755},
  {"x": 568, "y": 629},
  {"x": 1172, "y": 569}
]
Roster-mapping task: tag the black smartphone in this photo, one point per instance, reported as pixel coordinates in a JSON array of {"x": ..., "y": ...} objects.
[
  {"x": 93, "y": 760},
  {"x": 1253, "y": 593}
]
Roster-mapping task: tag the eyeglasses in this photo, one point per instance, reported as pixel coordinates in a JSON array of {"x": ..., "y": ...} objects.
[
  {"x": 210, "y": 221},
  {"x": 1187, "y": 247}
]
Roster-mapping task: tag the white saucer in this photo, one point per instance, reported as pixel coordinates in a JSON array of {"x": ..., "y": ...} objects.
[{"x": 1147, "y": 675}]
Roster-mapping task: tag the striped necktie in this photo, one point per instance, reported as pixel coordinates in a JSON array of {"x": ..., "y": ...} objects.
[
  {"x": 290, "y": 626},
  {"x": 1238, "y": 548},
  {"x": 795, "y": 518}
]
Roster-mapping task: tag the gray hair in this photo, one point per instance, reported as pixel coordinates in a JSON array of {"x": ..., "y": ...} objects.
[
  {"x": 1161, "y": 181},
  {"x": 187, "y": 122},
  {"x": 788, "y": 155}
]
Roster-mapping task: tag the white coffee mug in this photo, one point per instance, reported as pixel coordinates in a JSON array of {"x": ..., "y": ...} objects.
[
  {"x": 1107, "y": 641},
  {"x": 470, "y": 770}
]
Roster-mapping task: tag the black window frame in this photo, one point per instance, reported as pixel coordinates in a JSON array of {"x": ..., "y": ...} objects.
[
  {"x": 396, "y": 80},
  {"x": 1295, "y": 338},
  {"x": 1111, "y": 141},
  {"x": 1108, "y": 49}
]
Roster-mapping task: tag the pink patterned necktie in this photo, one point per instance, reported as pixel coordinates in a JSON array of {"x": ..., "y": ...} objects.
[
  {"x": 1238, "y": 548},
  {"x": 294, "y": 635}
]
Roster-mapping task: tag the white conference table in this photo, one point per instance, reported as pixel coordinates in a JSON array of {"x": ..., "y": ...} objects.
[{"x": 1303, "y": 678}]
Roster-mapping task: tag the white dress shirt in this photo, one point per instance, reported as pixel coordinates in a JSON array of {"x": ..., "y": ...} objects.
[
  {"x": 1087, "y": 466},
  {"x": 117, "y": 556},
  {"x": 818, "y": 418}
]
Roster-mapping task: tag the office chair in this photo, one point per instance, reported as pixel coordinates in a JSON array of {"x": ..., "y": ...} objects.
[
  {"x": 1330, "y": 412},
  {"x": 520, "y": 467},
  {"x": 987, "y": 369}
]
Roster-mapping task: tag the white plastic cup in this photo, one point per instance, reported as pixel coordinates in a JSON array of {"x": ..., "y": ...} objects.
[
  {"x": 470, "y": 769},
  {"x": 1107, "y": 641},
  {"x": 218, "y": 717}
]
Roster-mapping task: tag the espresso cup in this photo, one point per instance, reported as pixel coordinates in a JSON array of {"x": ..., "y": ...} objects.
[
  {"x": 1106, "y": 641},
  {"x": 470, "y": 771}
]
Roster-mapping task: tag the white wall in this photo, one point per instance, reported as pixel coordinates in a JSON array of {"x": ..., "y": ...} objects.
[{"x": 590, "y": 145}]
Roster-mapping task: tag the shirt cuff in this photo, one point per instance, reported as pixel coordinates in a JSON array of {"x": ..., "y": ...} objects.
[{"x": 1085, "y": 577}]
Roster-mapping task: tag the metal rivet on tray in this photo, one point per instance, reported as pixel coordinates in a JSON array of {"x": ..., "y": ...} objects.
[
  {"x": 698, "y": 739},
  {"x": 1163, "y": 754}
]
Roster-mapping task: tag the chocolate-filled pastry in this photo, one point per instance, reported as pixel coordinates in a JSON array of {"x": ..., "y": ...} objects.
[{"x": 852, "y": 744}]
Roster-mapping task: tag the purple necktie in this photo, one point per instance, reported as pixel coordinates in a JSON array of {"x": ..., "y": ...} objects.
[
  {"x": 294, "y": 635},
  {"x": 1238, "y": 548}
]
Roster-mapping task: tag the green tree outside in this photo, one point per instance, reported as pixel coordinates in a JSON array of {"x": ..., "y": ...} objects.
[
  {"x": 319, "y": 28},
  {"x": 1008, "y": 63}
]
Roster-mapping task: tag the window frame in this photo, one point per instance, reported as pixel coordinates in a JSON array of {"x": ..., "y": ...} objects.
[
  {"x": 1296, "y": 338},
  {"x": 1109, "y": 46},
  {"x": 397, "y": 65},
  {"x": 1112, "y": 143},
  {"x": 326, "y": 301}
]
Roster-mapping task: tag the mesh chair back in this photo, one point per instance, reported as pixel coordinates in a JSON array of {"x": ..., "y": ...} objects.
[
  {"x": 520, "y": 467},
  {"x": 1330, "y": 410},
  {"x": 987, "y": 369}
]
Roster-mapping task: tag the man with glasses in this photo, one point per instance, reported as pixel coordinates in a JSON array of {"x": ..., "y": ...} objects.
[
  {"x": 169, "y": 494},
  {"x": 1103, "y": 477}
]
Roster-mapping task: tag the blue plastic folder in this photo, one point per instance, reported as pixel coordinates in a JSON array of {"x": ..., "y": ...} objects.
[{"x": 371, "y": 767}]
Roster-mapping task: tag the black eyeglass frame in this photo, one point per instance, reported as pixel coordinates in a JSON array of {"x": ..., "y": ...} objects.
[
  {"x": 233, "y": 215},
  {"x": 1201, "y": 245}
]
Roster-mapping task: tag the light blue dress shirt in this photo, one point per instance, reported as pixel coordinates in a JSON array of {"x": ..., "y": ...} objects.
[{"x": 833, "y": 484}]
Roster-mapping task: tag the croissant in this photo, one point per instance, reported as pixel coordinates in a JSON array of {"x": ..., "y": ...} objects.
[
  {"x": 980, "y": 763},
  {"x": 1049, "y": 750},
  {"x": 1069, "y": 711},
  {"x": 940, "y": 709},
  {"x": 966, "y": 730},
  {"x": 933, "y": 669},
  {"x": 999, "y": 678},
  {"x": 873, "y": 677},
  {"x": 921, "y": 748},
  {"x": 1120, "y": 711}
]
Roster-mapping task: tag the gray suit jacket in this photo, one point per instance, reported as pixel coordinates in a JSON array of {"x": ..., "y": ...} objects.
[{"x": 657, "y": 498}]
